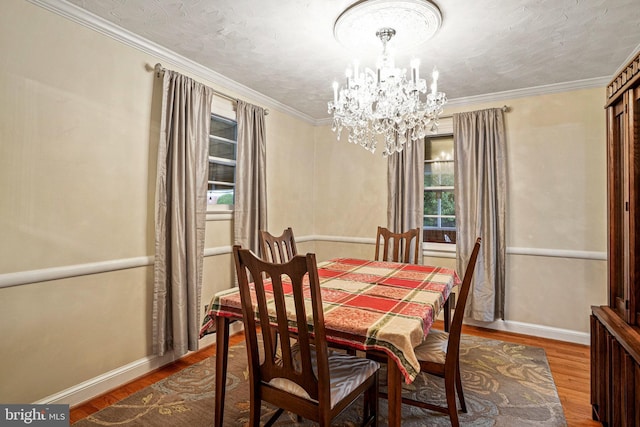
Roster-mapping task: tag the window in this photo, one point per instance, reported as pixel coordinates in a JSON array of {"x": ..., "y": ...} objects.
[
  {"x": 439, "y": 223},
  {"x": 223, "y": 143}
]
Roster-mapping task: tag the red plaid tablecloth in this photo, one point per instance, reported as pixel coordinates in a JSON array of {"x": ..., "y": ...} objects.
[{"x": 369, "y": 305}]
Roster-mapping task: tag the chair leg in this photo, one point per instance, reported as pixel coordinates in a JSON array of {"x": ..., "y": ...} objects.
[
  {"x": 463, "y": 405},
  {"x": 450, "y": 389},
  {"x": 254, "y": 414},
  {"x": 375, "y": 412},
  {"x": 370, "y": 413},
  {"x": 325, "y": 419},
  {"x": 255, "y": 406},
  {"x": 366, "y": 409}
]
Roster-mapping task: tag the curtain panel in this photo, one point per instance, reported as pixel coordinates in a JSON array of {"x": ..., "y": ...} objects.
[
  {"x": 250, "y": 205},
  {"x": 480, "y": 194},
  {"x": 405, "y": 185},
  {"x": 181, "y": 203}
]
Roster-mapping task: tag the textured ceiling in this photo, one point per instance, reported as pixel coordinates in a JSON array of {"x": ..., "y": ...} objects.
[{"x": 285, "y": 49}]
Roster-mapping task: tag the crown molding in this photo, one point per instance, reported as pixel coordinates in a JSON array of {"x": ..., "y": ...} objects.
[
  {"x": 532, "y": 91},
  {"x": 164, "y": 55},
  {"x": 516, "y": 93},
  {"x": 626, "y": 62},
  {"x": 109, "y": 29}
]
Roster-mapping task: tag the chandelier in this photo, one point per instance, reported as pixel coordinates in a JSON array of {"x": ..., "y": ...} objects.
[{"x": 386, "y": 101}]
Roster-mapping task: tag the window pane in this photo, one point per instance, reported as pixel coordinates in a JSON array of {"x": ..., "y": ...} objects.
[
  {"x": 429, "y": 222},
  {"x": 438, "y": 148},
  {"x": 446, "y": 173},
  {"x": 223, "y": 128},
  {"x": 431, "y": 202},
  {"x": 222, "y": 161},
  {"x": 429, "y": 179},
  {"x": 438, "y": 174},
  {"x": 449, "y": 223},
  {"x": 447, "y": 203},
  {"x": 439, "y": 204},
  {"x": 220, "y": 195},
  {"x": 224, "y": 173},
  {"x": 221, "y": 148}
]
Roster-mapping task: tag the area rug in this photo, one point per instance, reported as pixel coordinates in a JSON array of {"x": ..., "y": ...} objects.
[{"x": 505, "y": 384}]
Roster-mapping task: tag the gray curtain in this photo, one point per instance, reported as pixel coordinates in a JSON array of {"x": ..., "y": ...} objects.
[
  {"x": 250, "y": 205},
  {"x": 480, "y": 193},
  {"x": 181, "y": 202},
  {"x": 405, "y": 191}
]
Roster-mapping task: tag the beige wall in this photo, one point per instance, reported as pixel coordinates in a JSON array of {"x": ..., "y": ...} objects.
[
  {"x": 78, "y": 135},
  {"x": 351, "y": 187},
  {"x": 556, "y": 202}
]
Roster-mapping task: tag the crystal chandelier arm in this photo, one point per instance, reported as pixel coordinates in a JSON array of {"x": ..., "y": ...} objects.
[
  {"x": 434, "y": 85},
  {"x": 415, "y": 66}
]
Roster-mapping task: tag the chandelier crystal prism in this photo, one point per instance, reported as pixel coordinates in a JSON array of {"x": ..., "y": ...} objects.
[{"x": 386, "y": 102}]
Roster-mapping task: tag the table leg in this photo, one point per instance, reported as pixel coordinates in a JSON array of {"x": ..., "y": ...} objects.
[
  {"x": 446, "y": 312},
  {"x": 394, "y": 391},
  {"x": 222, "y": 353}
]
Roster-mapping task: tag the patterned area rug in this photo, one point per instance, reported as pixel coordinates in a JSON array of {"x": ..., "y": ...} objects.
[{"x": 505, "y": 385}]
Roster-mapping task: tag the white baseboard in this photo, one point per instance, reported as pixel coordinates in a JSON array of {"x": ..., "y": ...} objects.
[
  {"x": 101, "y": 384},
  {"x": 541, "y": 331}
]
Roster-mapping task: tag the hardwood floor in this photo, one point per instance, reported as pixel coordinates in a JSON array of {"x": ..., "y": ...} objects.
[{"x": 569, "y": 366}]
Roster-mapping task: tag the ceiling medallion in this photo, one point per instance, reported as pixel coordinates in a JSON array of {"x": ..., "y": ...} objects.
[
  {"x": 385, "y": 101},
  {"x": 415, "y": 22}
]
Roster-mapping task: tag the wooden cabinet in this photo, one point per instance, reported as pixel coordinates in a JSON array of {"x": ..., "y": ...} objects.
[
  {"x": 615, "y": 369},
  {"x": 623, "y": 165},
  {"x": 615, "y": 328}
]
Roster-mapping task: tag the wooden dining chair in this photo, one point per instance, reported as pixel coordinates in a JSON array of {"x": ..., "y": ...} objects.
[
  {"x": 278, "y": 248},
  {"x": 397, "y": 247},
  {"x": 439, "y": 354},
  {"x": 301, "y": 377}
]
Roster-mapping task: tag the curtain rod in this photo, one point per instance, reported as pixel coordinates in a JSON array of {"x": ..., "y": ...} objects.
[
  {"x": 160, "y": 69},
  {"x": 504, "y": 108}
]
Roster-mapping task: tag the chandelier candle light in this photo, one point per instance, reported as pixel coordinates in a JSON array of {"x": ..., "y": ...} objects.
[{"x": 385, "y": 101}]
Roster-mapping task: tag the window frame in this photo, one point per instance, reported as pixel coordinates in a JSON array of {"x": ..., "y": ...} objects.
[
  {"x": 215, "y": 208},
  {"x": 445, "y": 131}
]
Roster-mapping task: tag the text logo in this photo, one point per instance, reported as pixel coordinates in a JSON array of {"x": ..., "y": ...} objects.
[{"x": 34, "y": 415}]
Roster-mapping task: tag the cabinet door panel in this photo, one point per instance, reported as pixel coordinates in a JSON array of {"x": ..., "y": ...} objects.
[
  {"x": 633, "y": 132},
  {"x": 618, "y": 214},
  {"x": 623, "y": 166}
]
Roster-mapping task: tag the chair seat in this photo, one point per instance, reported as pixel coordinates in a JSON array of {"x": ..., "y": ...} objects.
[
  {"x": 434, "y": 347},
  {"x": 346, "y": 373}
]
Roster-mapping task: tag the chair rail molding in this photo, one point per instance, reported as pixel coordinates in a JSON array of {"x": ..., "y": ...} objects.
[{"x": 63, "y": 272}]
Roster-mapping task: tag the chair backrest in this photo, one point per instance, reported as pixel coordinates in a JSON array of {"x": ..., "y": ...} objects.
[
  {"x": 277, "y": 299},
  {"x": 398, "y": 247},
  {"x": 278, "y": 249},
  {"x": 456, "y": 325}
]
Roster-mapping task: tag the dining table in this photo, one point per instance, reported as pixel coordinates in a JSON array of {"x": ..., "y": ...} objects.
[{"x": 383, "y": 308}]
